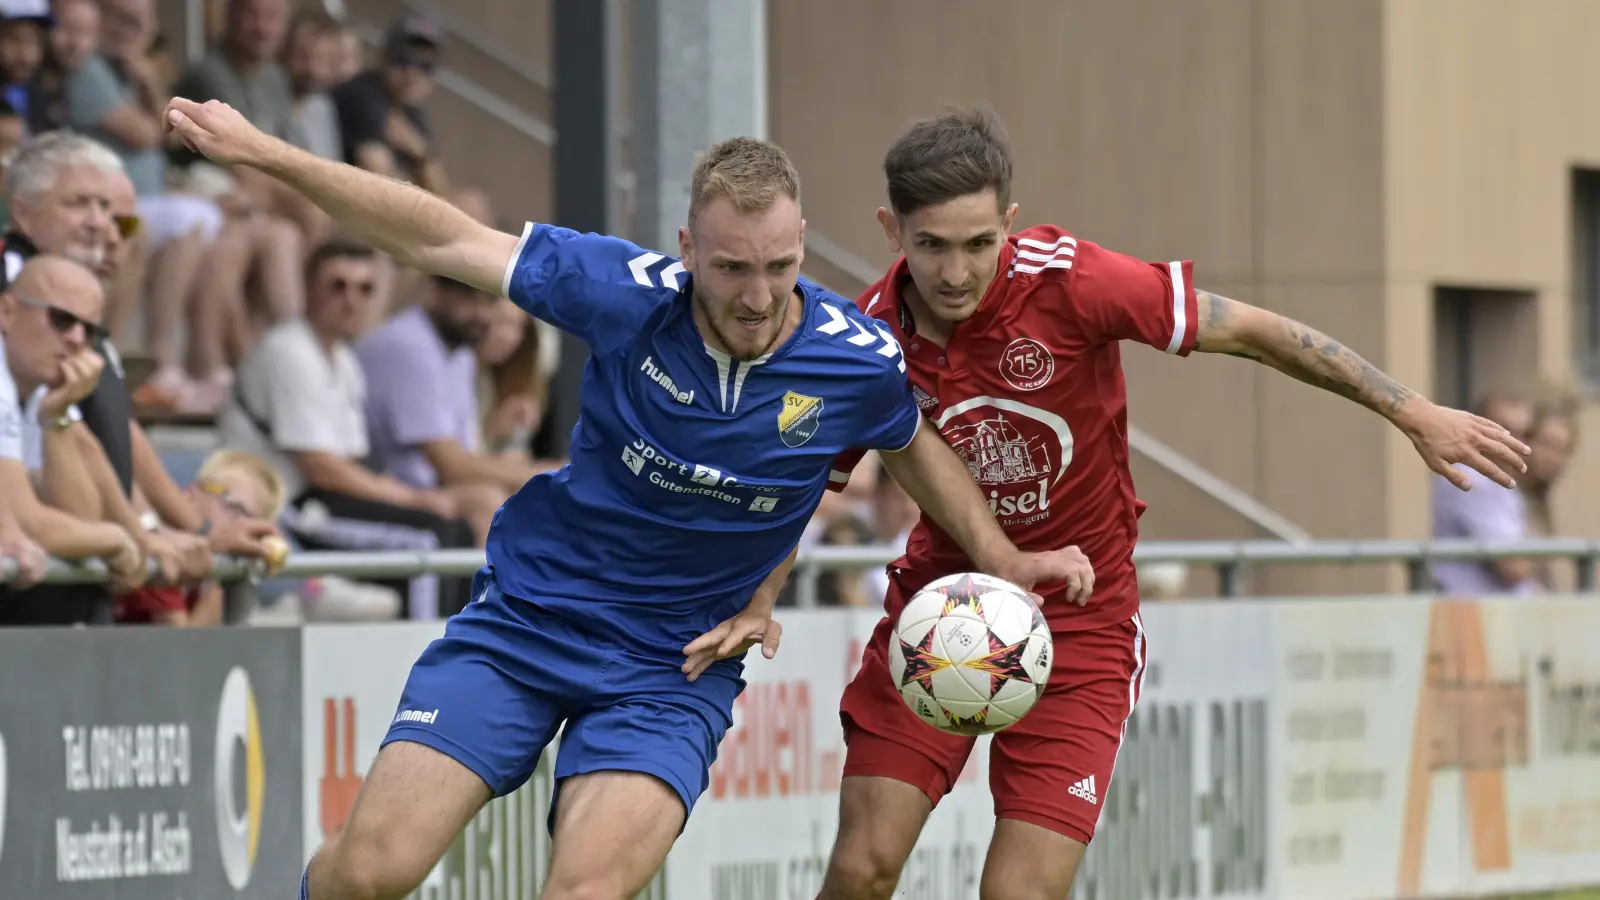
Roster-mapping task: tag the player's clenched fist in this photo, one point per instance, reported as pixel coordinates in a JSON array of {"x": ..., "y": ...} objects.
[
  {"x": 1065, "y": 566},
  {"x": 218, "y": 131}
]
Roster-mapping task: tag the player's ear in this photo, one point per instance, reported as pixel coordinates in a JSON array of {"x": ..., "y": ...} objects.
[
  {"x": 686, "y": 247},
  {"x": 891, "y": 229},
  {"x": 1010, "y": 216}
]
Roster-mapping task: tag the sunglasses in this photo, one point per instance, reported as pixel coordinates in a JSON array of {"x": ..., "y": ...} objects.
[
  {"x": 127, "y": 226},
  {"x": 364, "y": 288},
  {"x": 229, "y": 502},
  {"x": 63, "y": 321}
]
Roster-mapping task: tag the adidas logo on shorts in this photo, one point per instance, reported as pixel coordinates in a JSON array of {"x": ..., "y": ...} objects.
[{"x": 1084, "y": 790}]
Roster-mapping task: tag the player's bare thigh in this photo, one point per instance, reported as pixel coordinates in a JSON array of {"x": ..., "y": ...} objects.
[
  {"x": 1029, "y": 862},
  {"x": 879, "y": 822},
  {"x": 613, "y": 831},
  {"x": 413, "y": 804}
]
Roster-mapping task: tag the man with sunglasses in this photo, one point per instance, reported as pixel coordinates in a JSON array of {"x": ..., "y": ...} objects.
[
  {"x": 300, "y": 403},
  {"x": 381, "y": 121},
  {"x": 51, "y": 363},
  {"x": 69, "y": 196}
]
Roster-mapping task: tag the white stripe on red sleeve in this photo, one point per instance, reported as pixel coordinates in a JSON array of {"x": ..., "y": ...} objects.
[{"x": 1180, "y": 318}]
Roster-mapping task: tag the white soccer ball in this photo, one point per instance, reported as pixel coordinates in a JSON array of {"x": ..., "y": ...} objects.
[{"x": 970, "y": 654}]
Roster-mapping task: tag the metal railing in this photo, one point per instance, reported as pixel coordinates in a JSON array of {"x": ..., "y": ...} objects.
[{"x": 1230, "y": 559}]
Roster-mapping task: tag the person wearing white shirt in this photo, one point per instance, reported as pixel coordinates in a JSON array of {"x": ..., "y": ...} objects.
[
  {"x": 16, "y": 547},
  {"x": 48, "y": 315}
]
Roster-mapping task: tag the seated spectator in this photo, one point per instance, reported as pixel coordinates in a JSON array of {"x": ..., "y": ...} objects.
[
  {"x": 231, "y": 486},
  {"x": 206, "y": 239},
  {"x": 47, "y": 315},
  {"x": 846, "y": 586},
  {"x": 242, "y": 71},
  {"x": 382, "y": 123},
  {"x": 350, "y": 58},
  {"x": 24, "y": 34},
  {"x": 1552, "y": 436},
  {"x": 67, "y": 195},
  {"x": 509, "y": 387},
  {"x": 421, "y": 370},
  {"x": 894, "y": 514},
  {"x": 311, "y": 57},
  {"x": 300, "y": 402},
  {"x": 119, "y": 104},
  {"x": 1488, "y": 513}
]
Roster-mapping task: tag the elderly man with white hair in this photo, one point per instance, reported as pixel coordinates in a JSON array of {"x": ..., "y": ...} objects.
[{"x": 68, "y": 195}]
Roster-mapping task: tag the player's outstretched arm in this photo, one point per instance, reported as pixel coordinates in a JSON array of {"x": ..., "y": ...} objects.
[
  {"x": 1443, "y": 437},
  {"x": 416, "y": 227},
  {"x": 939, "y": 482}
]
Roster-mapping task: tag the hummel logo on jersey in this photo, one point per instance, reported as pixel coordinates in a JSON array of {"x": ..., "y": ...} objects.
[
  {"x": 424, "y": 717},
  {"x": 655, "y": 374},
  {"x": 1084, "y": 790},
  {"x": 838, "y": 323},
  {"x": 925, "y": 401}
]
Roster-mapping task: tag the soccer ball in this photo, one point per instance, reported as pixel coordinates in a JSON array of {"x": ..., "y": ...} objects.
[{"x": 970, "y": 654}]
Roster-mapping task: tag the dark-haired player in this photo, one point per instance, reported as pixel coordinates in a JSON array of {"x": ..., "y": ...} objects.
[{"x": 1012, "y": 346}]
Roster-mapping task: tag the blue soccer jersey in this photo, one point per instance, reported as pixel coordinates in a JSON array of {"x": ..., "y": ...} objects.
[{"x": 692, "y": 474}]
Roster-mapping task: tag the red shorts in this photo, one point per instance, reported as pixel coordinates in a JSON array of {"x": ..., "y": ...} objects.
[
  {"x": 1051, "y": 769},
  {"x": 147, "y": 604}
]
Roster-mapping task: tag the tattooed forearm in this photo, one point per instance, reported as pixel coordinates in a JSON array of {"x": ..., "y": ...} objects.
[{"x": 1300, "y": 351}]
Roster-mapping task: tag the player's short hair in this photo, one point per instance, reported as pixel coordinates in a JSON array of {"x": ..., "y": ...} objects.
[
  {"x": 962, "y": 152},
  {"x": 336, "y": 247},
  {"x": 750, "y": 173},
  {"x": 237, "y": 462},
  {"x": 38, "y": 163}
]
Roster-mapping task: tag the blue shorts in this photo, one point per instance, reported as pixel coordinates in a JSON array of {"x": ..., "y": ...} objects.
[{"x": 492, "y": 692}]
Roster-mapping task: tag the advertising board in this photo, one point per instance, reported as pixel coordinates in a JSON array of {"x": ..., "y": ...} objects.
[{"x": 149, "y": 763}]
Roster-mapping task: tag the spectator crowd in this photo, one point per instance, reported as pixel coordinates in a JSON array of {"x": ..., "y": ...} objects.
[{"x": 358, "y": 404}]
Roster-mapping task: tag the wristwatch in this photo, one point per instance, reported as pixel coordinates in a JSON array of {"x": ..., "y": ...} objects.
[
  {"x": 62, "y": 422},
  {"x": 149, "y": 521}
]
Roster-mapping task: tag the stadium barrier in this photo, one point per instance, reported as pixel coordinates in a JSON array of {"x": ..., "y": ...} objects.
[
  {"x": 1230, "y": 559},
  {"x": 1325, "y": 749}
]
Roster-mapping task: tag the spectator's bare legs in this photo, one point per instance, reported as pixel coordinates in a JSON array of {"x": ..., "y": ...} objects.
[
  {"x": 284, "y": 202},
  {"x": 218, "y": 299},
  {"x": 279, "y": 250},
  {"x": 175, "y": 270},
  {"x": 127, "y": 289}
]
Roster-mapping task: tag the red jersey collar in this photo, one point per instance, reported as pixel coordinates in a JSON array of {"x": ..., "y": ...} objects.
[{"x": 993, "y": 298}]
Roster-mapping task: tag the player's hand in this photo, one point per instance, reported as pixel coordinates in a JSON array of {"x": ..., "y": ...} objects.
[
  {"x": 30, "y": 559},
  {"x": 1446, "y": 437},
  {"x": 218, "y": 131},
  {"x": 1067, "y": 565},
  {"x": 732, "y": 638},
  {"x": 79, "y": 373}
]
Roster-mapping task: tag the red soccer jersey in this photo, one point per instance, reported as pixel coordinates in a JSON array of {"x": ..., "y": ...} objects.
[{"x": 1029, "y": 392}]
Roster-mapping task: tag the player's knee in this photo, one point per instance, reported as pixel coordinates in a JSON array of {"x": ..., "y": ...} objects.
[
  {"x": 355, "y": 867},
  {"x": 1011, "y": 886},
  {"x": 861, "y": 872},
  {"x": 592, "y": 888}
]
